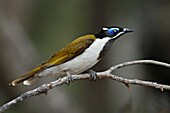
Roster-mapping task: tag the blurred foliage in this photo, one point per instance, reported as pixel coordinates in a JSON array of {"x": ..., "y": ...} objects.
[{"x": 31, "y": 31}]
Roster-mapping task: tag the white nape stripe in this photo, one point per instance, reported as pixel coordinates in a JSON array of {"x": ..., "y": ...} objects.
[{"x": 104, "y": 28}]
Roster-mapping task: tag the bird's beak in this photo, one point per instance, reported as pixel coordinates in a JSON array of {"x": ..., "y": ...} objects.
[{"x": 126, "y": 30}]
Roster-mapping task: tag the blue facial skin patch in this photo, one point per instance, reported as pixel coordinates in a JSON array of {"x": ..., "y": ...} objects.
[{"x": 112, "y": 31}]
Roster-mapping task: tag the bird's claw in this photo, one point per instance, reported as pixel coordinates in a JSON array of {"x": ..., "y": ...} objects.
[
  {"x": 69, "y": 79},
  {"x": 93, "y": 75}
]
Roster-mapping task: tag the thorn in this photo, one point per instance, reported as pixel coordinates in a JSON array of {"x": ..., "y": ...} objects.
[
  {"x": 49, "y": 85},
  {"x": 162, "y": 89},
  {"x": 128, "y": 86},
  {"x": 59, "y": 79},
  {"x": 45, "y": 92}
]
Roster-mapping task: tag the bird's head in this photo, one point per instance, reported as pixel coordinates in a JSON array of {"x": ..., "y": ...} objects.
[{"x": 112, "y": 32}]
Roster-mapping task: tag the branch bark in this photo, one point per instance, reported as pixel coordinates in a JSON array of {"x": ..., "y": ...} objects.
[{"x": 105, "y": 74}]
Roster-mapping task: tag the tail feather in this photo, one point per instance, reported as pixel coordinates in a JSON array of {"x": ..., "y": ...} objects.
[
  {"x": 29, "y": 77},
  {"x": 21, "y": 79}
]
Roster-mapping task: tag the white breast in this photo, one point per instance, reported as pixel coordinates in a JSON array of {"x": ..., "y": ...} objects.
[{"x": 80, "y": 63}]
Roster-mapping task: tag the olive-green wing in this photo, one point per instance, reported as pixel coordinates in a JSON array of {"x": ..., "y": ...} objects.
[{"x": 72, "y": 50}]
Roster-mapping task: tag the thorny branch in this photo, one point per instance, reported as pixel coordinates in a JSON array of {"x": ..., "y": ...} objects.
[{"x": 105, "y": 74}]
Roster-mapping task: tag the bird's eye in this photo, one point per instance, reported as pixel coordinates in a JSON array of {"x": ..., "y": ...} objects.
[{"x": 112, "y": 31}]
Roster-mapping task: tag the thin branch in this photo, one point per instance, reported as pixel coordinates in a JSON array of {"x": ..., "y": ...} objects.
[{"x": 105, "y": 74}]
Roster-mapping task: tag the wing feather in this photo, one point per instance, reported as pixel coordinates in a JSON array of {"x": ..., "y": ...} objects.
[
  {"x": 72, "y": 50},
  {"x": 69, "y": 52}
]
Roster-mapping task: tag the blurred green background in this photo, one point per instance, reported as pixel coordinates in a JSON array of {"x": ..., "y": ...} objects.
[{"x": 32, "y": 30}]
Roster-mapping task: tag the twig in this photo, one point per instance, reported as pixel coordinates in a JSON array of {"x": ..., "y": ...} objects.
[{"x": 105, "y": 74}]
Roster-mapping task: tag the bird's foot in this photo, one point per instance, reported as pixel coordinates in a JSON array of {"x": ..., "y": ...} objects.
[
  {"x": 69, "y": 78},
  {"x": 93, "y": 75}
]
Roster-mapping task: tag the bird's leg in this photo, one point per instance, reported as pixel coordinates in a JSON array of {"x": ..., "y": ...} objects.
[
  {"x": 69, "y": 78},
  {"x": 93, "y": 75}
]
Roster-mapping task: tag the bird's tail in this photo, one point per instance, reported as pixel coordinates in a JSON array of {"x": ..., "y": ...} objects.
[
  {"x": 25, "y": 79},
  {"x": 29, "y": 77}
]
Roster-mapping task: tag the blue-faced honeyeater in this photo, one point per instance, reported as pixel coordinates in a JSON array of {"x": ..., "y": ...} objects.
[{"x": 77, "y": 57}]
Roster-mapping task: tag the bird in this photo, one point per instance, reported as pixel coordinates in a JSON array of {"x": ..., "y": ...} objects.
[{"x": 77, "y": 57}]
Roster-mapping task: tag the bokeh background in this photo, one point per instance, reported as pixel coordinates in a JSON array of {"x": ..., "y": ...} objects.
[{"x": 32, "y": 30}]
